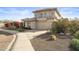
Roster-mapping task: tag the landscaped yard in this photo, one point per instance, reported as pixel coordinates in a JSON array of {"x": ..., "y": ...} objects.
[
  {"x": 42, "y": 43},
  {"x": 54, "y": 41},
  {"x": 5, "y": 40}
]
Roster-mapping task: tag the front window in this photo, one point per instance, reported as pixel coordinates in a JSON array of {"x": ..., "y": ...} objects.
[{"x": 35, "y": 15}]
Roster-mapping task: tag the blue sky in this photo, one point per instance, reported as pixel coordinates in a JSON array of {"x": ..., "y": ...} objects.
[
  {"x": 69, "y": 12},
  {"x": 17, "y": 13}
]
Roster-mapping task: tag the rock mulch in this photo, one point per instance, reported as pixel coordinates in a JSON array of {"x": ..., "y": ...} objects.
[
  {"x": 42, "y": 43},
  {"x": 5, "y": 39}
]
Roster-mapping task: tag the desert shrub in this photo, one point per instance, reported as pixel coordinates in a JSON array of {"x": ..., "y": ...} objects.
[
  {"x": 54, "y": 27},
  {"x": 7, "y": 24},
  {"x": 73, "y": 27},
  {"x": 22, "y": 25},
  {"x": 75, "y": 44},
  {"x": 65, "y": 24},
  {"x": 17, "y": 24},
  {"x": 60, "y": 26},
  {"x": 14, "y": 23},
  {"x": 57, "y": 26},
  {"x": 76, "y": 35},
  {"x": 11, "y": 23}
]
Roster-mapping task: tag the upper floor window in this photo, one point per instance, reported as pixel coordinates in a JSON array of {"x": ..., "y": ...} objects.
[
  {"x": 41, "y": 15},
  {"x": 35, "y": 15},
  {"x": 44, "y": 15}
]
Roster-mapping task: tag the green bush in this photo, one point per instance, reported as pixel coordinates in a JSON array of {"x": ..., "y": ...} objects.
[
  {"x": 75, "y": 44},
  {"x": 76, "y": 35}
]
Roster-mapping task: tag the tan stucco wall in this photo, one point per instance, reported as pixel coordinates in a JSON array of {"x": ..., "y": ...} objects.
[
  {"x": 56, "y": 15},
  {"x": 41, "y": 24},
  {"x": 32, "y": 25}
]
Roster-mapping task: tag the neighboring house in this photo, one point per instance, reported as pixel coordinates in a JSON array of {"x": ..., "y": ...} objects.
[{"x": 43, "y": 18}]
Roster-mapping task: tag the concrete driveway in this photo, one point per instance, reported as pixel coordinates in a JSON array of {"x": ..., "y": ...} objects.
[{"x": 23, "y": 40}]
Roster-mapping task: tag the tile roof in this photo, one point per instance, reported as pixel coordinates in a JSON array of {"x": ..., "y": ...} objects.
[{"x": 47, "y": 9}]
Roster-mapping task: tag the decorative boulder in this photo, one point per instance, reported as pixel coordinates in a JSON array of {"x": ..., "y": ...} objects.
[{"x": 53, "y": 37}]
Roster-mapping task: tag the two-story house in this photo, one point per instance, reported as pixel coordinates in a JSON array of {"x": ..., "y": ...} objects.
[{"x": 43, "y": 18}]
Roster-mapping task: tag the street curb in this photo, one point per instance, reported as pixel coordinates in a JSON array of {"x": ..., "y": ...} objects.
[{"x": 11, "y": 43}]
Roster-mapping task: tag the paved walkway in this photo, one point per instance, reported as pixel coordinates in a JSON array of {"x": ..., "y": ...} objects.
[{"x": 23, "y": 41}]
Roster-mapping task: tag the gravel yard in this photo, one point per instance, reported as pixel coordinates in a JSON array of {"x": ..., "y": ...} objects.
[
  {"x": 5, "y": 39},
  {"x": 42, "y": 43}
]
